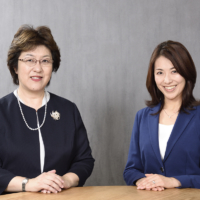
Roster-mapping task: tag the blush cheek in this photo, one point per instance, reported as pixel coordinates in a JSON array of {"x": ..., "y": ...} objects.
[
  {"x": 158, "y": 85},
  {"x": 158, "y": 81}
]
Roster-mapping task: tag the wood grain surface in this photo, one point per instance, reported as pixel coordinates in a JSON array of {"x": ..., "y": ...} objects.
[{"x": 108, "y": 192}]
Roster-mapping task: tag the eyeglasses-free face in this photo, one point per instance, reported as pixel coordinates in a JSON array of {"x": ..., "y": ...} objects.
[
  {"x": 34, "y": 69},
  {"x": 168, "y": 80}
]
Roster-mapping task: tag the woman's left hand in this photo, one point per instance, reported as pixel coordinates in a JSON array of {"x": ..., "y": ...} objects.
[
  {"x": 154, "y": 188},
  {"x": 70, "y": 180},
  {"x": 44, "y": 190},
  {"x": 157, "y": 180}
]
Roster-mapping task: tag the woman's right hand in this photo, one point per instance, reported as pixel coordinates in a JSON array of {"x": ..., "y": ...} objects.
[
  {"x": 46, "y": 182},
  {"x": 160, "y": 188}
]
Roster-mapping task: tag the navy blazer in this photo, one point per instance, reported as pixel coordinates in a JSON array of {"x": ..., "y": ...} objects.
[
  {"x": 182, "y": 156},
  {"x": 65, "y": 140}
]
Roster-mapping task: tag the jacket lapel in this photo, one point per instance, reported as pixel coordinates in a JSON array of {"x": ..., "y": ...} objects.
[
  {"x": 181, "y": 123},
  {"x": 153, "y": 121}
]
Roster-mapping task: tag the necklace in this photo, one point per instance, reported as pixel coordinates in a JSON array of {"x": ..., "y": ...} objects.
[
  {"x": 169, "y": 115},
  {"x": 33, "y": 129}
]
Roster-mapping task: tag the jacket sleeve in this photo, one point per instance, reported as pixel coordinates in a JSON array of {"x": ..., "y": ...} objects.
[
  {"x": 83, "y": 162},
  {"x": 189, "y": 181},
  {"x": 134, "y": 168},
  {"x": 5, "y": 178},
  {"x": 5, "y": 175}
]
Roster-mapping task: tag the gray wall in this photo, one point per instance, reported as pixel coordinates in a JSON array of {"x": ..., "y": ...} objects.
[{"x": 105, "y": 47}]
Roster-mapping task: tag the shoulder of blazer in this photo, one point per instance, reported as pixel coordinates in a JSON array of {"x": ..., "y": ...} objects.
[
  {"x": 8, "y": 102},
  {"x": 63, "y": 104},
  {"x": 60, "y": 100},
  {"x": 198, "y": 109},
  {"x": 148, "y": 110},
  {"x": 145, "y": 113},
  {"x": 9, "y": 98}
]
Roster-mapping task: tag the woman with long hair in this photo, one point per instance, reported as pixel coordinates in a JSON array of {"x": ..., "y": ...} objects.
[{"x": 165, "y": 144}]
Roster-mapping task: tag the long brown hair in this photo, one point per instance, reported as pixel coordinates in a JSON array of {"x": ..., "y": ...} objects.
[
  {"x": 183, "y": 63},
  {"x": 27, "y": 38}
]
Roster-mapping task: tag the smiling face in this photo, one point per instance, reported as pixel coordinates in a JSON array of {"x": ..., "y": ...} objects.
[
  {"x": 35, "y": 78},
  {"x": 168, "y": 80}
]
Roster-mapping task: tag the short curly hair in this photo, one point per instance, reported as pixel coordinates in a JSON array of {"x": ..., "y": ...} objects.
[{"x": 27, "y": 38}]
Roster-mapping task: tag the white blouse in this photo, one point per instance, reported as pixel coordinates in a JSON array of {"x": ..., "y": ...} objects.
[
  {"x": 42, "y": 149},
  {"x": 164, "y": 133}
]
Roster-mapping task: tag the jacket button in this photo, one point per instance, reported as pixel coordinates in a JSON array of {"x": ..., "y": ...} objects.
[{"x": 162, "y": 169}]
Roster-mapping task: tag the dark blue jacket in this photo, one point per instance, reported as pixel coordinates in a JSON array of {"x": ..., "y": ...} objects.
[
  {"x": 182, "y": 156},
  {"x": 66, "y": 144}
]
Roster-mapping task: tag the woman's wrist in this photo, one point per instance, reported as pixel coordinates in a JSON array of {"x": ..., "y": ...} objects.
[
  {"x": 70, "y": 180},
  {"x": 139, "y": 180},
  {"x": 15, "y": 185},
  {"x": 175, "y": 182},
  {"x": 29, "y": 186}
]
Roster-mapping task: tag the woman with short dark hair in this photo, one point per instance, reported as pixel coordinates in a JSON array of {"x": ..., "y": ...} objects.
[
  {"x": 27, "y": 38},
  {"x": 43, "y": 141},
  {"x": 164, "y": 149}
]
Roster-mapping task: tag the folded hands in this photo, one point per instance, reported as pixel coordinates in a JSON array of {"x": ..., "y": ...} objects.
[
  {"x": 157, "y": 182},
  {"x": 50, "y": 182}
]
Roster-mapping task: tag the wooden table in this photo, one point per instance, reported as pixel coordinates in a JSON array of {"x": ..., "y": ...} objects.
[{"x": 108, "y": 192}]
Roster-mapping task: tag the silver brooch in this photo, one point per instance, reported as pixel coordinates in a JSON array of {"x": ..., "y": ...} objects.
[{"x": 55, "y": 115}]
